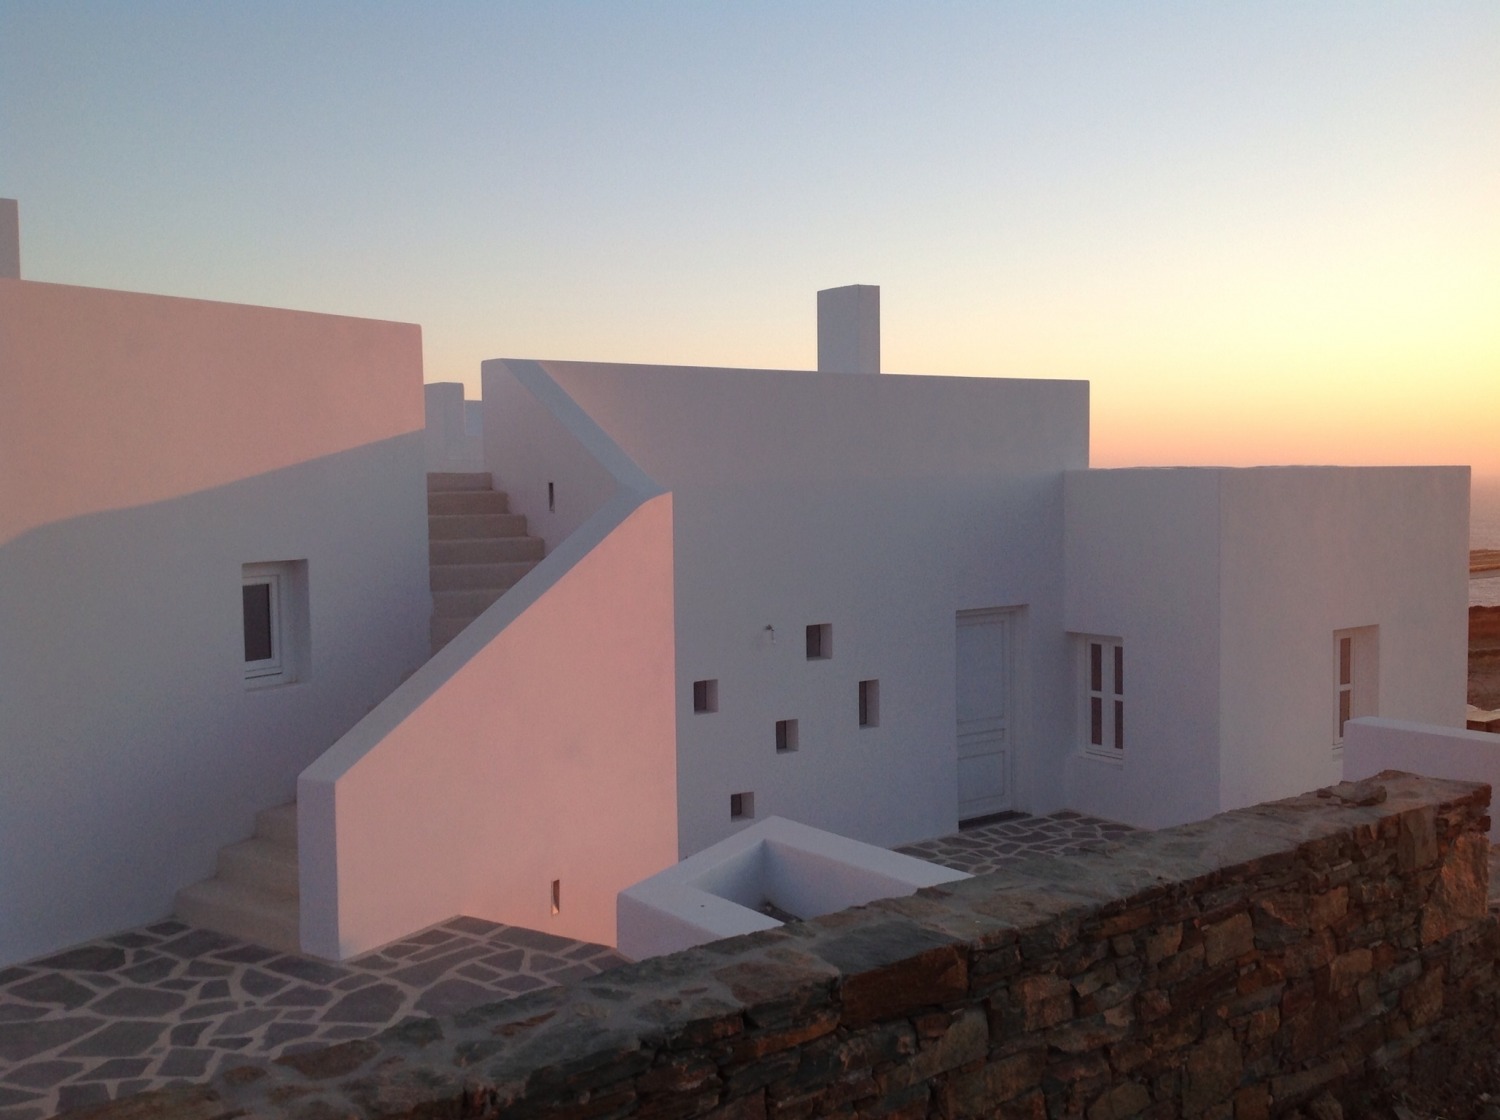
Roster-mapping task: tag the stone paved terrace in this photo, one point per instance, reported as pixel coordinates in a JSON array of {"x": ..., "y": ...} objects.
[{"x": 168, "y": 1002}]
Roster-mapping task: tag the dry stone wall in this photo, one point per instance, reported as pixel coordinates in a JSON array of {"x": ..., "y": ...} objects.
[{"x": 1240, "y": 967}]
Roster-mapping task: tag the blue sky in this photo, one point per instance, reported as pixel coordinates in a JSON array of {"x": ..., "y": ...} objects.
[{"x": 1265, "y": 232}]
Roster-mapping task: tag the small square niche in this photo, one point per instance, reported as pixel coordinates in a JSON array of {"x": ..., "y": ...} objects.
[
  {"x": 820, "y": 641},
  {"x": 869, "y": 703},
  {"x": 706, "y": 696},
  {"x": 741, "y": 806},
  {"x": 786, "y": 736}
]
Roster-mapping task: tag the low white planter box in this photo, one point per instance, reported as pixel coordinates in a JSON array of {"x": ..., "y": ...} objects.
[{"x": 724, "y": 889}]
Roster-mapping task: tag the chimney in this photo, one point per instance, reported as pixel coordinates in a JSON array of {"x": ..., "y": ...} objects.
[
  {"x": 849, "y": 329},
  {"x": 10, "y": 240}
]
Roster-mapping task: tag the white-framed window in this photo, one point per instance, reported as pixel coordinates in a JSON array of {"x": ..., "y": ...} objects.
[
  {"x": 1103, "y": 694},
  {"x": 1356, "y": 676},
  {"x": 273, "y": 599}
]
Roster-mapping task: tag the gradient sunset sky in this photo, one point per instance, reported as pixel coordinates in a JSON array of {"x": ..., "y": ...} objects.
[{"x": 1265, "y": 232}]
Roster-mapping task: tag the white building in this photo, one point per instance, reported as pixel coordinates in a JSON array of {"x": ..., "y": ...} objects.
[{"x": 874, "y": 604}]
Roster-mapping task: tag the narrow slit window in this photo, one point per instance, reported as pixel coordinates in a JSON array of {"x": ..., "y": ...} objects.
[
  {"x": 556, "y": 896},
  {"x": 551, "y": 498},
  {"x": 786, "y": 736},
  {"x": 820, "y": 641},
  {"x": 869, "y": 703},
  {"x": 705, "y": 696}
]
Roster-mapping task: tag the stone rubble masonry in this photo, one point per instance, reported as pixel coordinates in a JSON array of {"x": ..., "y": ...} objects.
[{"x": 1240, "y": 967}]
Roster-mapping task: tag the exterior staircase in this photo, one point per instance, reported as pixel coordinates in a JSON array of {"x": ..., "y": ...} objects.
[
  {"x": 477, "y": 549},
  {"x": 254, "y": 894}
]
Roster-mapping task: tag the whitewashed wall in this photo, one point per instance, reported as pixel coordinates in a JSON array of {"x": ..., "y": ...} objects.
[
  {"x": 880, "y": 505},
  {"x": 1142, "y": 563},
  {"x": 1310, "y": 550},
  {"x": 1227, "y": 587},
  {"x": 538, "y": 745},
  {"x": 149, "y": 447}
]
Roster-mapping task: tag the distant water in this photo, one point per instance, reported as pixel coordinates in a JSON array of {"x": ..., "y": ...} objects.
[{"x": 1484, "y": 532}]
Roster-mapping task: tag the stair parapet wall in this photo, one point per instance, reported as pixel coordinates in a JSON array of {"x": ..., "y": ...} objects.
[
  {"x": 1244, "y": 965},
  {"x": 536, "y": 748}
]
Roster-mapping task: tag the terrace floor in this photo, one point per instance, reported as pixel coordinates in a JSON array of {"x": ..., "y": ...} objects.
[{"x": 169, "y": 1002}]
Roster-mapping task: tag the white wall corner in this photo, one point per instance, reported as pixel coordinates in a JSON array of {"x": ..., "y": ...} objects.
[
  {"x": 10, "y": 239},
  {"x": 849, "y": 329}
]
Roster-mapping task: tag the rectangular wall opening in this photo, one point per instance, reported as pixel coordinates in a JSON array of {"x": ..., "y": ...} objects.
[
  {"x": 705, "y": 696},
  {"x": 869, "y": 703},
  {"x": 556, "y": 896},
  {"x": 820, "y": 641},
  {"x": 551, "y": 498},
  {"x": 786, "y": 735},
  {"x": 741, "y": 806}
]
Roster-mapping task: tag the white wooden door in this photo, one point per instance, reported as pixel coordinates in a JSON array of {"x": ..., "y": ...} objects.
[{"x": 985, "y": 711}]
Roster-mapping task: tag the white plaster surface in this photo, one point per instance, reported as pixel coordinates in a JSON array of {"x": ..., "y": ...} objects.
[
  {"x": 1373, "y": 744},
  {"x": 452, "y": 441},
  {"x": 849, "y": 329},
  {"x": 149, "y": 447},
  {"x": 1142, "y": 564},
  {"x": 536, "y": 746},
  {"x": 1311, "y": 550},
  {"x": 881, "y": 506},
  {"x": 1226, "y": 587},
  {"x": 804, "y": 871}
]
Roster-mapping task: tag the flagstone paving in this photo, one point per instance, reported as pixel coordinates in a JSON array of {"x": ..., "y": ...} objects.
[
  {"x": 1012, "y": 835},
  {"x": 170, "y": 1002}
]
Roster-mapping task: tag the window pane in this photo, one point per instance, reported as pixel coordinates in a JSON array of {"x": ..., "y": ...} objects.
[
  {"x": 1119, "y": 725},
  {"x": 258, "y": 622},
  {"x": 1096, "y": 721},
  {"x": 1119, "y": 671},
  {"x": 1096, "y": 668},
  {"x": 1346, "y": 658},
  {"x": 1346, "y": 698}
]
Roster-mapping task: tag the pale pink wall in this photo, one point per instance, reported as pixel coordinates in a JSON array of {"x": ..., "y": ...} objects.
[
  {"x": 129, "y": 398},
  {"x": 539, "y": 745},
  {"x": 149, "y": 448}
]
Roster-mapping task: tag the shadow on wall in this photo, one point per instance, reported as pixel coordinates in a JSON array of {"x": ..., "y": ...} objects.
[{"x": 133, "y": 748}]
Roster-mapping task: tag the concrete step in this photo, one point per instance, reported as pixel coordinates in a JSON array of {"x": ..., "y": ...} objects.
[
  {"x": 263, "y": 864},
  {"x": 468, "y": 501},
  {"x": 278, "y": 824},
  {"x": 264, "y": 917},
  {"x": 441, "y": 631},
  {"x": 495, "y": 550},
  {"x": 459, "y": 480},
  {"x": 464, "y": 604},
  {"x": 469, "y": 526},
  {"x": 477, "y": 577}
]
